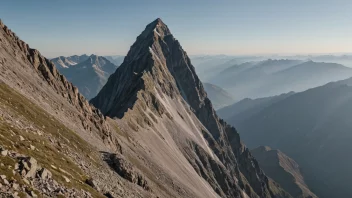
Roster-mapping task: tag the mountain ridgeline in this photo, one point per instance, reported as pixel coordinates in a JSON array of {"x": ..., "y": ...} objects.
[
  {"x": 218, "y": 96},
  {"x": 158, "y": 95},
  {"x": 88, "y": 73},
  {"x": 273, "y": 77},
  {"x": 313, "y": 128}
]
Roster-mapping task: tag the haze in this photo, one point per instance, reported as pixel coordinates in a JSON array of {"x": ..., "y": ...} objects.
[{"x": 204, "y": 27}]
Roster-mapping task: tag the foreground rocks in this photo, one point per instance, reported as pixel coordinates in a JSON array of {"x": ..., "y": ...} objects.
[
  {"x": 126, "y": 170},
  {"x": 31, "y": 179}
]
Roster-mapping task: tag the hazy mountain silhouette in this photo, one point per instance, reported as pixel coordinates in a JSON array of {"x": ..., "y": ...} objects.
[
  {"x": 116, "y": 60},
  {"x": 313, "y": 127},
  {"x": 283, "y": 170},
  {"x": 273, "y": 77},
  {"x": 218, "y": 97},
  {"x": 245, "y": 108}
]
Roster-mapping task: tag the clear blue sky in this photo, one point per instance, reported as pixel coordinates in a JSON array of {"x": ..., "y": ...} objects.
[{"x": 107, "y": 27}]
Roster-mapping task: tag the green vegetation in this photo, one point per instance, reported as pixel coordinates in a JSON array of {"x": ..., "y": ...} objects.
[{"x": 45, "y": 153}]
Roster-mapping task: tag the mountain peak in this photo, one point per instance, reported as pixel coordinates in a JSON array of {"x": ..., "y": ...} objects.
[
  {"x": 157, "y": 27},
  {"x": 157, "y": 92}
]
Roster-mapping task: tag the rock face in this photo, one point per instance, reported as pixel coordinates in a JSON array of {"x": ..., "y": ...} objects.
[
  {"x": 90, "y": 75},
  {"x": 158, "y": 95},
  {"x": 283, "y": 170},
  {"x": 218, "y": 96}
]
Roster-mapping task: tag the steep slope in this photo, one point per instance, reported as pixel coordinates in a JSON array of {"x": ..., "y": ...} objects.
[
  {"x": 273, "y": 77},
  {"x": 156, "y": 93},
  {"x": 245, "y": 108},
  {"x": 283, "y": 170},
  {"x": 90, "y": 75},
  {"x": 218, "y": 97},
  {"x": 313, "y": 127},
  {"x": 63, "y": 62},
  {"x": 51, "y": 139}
]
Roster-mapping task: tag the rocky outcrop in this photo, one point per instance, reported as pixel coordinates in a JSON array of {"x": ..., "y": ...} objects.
[
  {"x": 126, "y": 170},
  {"x": 33, "y": 180},
  {"x": 156, "y": 89}
]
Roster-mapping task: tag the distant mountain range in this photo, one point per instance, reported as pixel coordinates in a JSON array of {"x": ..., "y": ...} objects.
[
  {"x": 245, "y": 108},
  {"x": 283, "y": 170},
  {"x": 62, "y": 62},
  {"x": 313, "y": 127},
  {"x": 208, "y": 66},
  {"x": 273, "y": 77},
  {"x": 218, "y": 96},
  {"x": 88, "y": 73}
]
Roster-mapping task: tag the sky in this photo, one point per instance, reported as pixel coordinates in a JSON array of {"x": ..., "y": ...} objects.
[{"x": 232, "y": 27}]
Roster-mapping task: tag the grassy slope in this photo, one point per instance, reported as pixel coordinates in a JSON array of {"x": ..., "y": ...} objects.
[{"x": 48, "y": 154}]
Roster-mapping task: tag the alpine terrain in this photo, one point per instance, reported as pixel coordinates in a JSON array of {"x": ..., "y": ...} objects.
[
  {"x": 313, "y": 128},
  {"x": 156, "y": 133},
  {"x": 156, "y": 95}
]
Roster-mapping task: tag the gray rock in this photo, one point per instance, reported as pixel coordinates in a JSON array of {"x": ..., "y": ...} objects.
[
  {"x": 6, "y": 182},
  {"x": 31, "y": 165},
  {"x": 22, "y": 138},
  {"x": 4, "y": 152},
  {"x": 45, "y": 173},
  {"x": 92, "y": 183},
  {"x": 15, "y": 186},
  {"x": 66, "y": 179},
  {"x": 32, "y": 194}
]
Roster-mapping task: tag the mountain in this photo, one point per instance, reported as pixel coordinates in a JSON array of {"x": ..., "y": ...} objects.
[
  {"x": 156, "y": 95},
  {"x": 116, "y": 60},
  {"x": 345, "y": 59},
  {"x": 245, "y": 108},
  {"x": 63, "y": 62},
  {"x": 273, "y": 77},
  {"x": 87, "y": 73},
  {"x": 313, "y": 128},
  {"x": 218, "y": 97},
  {"x": 52, "y": 140},
  {"x": 283, "y": 170},
  {"x": 90, "y": 75},
  {"x": 164, "y": 140}
]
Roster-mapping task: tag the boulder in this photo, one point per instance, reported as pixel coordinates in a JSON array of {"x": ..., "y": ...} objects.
[
  {"x": 4, "y": 152},
  {"x": 30, "y": 165},
  {"x": 45, "y": 173}
]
